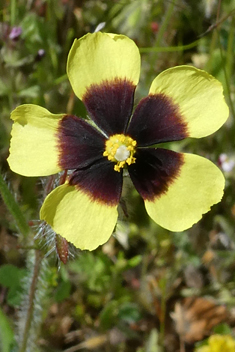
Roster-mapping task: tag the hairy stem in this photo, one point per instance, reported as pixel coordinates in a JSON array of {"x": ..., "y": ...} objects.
[{"x": 31, "y": 301}]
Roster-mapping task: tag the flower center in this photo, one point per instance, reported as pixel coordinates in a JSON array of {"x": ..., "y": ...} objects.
[{"x": 120, "y": 149}]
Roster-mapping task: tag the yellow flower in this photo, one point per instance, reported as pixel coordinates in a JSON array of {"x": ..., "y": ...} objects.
[
  {"x": 177, "y": 188},
  {"x": 218, "y": 343}
]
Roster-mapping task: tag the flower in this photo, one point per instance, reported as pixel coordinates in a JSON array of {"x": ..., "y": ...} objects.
[
  {"x": 15, "y": 33},
  {"x": 177, "y": 188},
  {"x": 226, "y": 162},
  {"x": 218, "y": 343}
]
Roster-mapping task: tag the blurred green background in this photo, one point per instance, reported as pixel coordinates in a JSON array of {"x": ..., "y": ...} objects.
[{"x": 147, "y": 289}]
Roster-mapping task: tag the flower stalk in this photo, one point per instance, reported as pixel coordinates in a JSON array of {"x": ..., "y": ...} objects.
[{"x": 31, "y": 302}]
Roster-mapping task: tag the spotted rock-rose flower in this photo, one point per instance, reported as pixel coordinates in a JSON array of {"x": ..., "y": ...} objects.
[{"x": 177, "y": 188}]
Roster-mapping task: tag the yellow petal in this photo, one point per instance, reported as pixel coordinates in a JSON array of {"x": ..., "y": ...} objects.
[
  {"x": 74, "y": 216},
  {"x": 199, "y": 185},
  {"x": 33, "y": 150},
  {"x": 101, "y": 56},
  {"x": 198, "y": 95}
]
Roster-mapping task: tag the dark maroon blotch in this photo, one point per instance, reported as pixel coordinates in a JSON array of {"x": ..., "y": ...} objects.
[
  {"x": 100, "y": 182},
  {"x": 81, "y": 150},
  {"x": 110, "y": 104},
  {"x": 157, "y": 120},
  {"x": 154, "y": 171},
  {"x": 79, "y": 143}
]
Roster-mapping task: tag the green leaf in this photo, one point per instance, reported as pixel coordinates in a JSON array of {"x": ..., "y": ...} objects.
[
  {"x": 11, "y": 277},
  {"x": 133, "y": 262},
  {"x": 31, "y": 92},
  {"x": 108, "y": 315},
  {"x": 63, "y": 291},
  {"x": 13, "y": 207},
  {"x": 129, "y": 312},
  {"x": 6, "y": 333},
  {"x": 152, "y": 342},
  {"x": 223, "y": 329}
]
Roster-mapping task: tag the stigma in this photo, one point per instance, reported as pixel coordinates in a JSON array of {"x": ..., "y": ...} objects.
[{"x": 120, "y": 149}]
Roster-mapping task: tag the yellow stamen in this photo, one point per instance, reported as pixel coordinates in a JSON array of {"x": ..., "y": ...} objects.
[{"x": 120, "y": 149}]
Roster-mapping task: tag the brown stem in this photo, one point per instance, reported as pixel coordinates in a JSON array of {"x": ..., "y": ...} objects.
[{"x": 182, "y": 345}]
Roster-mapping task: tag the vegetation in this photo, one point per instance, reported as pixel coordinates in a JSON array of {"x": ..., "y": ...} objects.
[{"x": 147, "y": 289}]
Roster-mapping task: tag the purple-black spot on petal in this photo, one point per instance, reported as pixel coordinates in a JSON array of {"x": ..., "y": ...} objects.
[
  {"x": 110, "y": 104},
  {"x": 80, "y": 144},
  {"x": 154, "y": 171},
  {"x": 157, "y": 120},
  {"x": 99, "y": 181}
]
